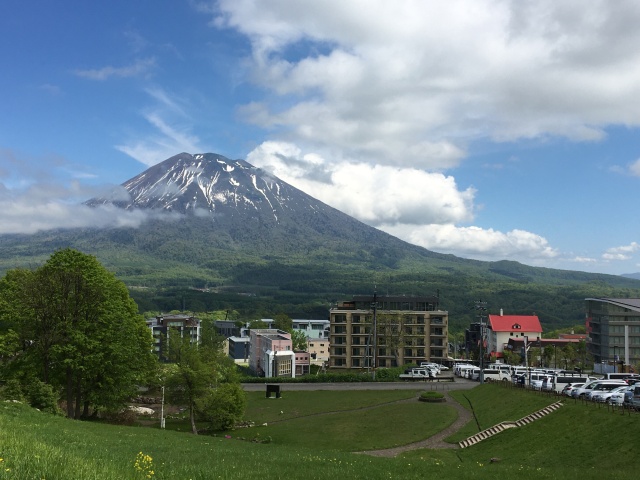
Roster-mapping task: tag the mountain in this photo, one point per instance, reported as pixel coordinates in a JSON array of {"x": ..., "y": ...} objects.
[{"x": 217, "y": 227}]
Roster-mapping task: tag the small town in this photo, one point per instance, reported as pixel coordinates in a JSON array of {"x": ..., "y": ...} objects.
[{"x": 336, "y": 239}]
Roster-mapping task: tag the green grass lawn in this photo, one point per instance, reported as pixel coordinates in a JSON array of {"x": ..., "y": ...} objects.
[{"x": 576, "y": 440}]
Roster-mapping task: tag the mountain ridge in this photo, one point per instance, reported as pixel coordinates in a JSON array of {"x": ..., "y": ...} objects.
[{"x": 233, "y": 227}]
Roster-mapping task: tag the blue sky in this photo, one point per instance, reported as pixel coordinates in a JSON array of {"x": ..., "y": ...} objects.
[{"x": 486, "y": 129}]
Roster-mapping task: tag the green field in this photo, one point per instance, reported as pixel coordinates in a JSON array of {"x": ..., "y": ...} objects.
[{"x": 310, "y": 435}]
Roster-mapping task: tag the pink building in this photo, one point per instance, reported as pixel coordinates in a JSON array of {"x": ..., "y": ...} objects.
[{"x": 271, "y": 353}]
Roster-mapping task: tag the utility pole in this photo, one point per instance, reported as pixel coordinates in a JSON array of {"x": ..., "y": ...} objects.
[{"x": 481, "y": 307}]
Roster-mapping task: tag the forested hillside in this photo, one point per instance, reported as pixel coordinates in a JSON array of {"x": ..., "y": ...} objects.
[{"x": 260, "y": 247}]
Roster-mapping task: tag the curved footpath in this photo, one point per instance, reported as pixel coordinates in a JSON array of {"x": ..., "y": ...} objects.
[{"x": 435, "y": 441}]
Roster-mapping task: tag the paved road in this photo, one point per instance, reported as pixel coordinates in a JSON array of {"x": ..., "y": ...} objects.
[{"x": 459, "y": 384}]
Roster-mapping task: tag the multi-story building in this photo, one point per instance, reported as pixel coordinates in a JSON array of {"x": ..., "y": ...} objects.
[
  {"x": 318, "y": 349},
  {"x": 164, "y": 327},
  {"x": 313, "y": 329},
  {"x": 271, "y": 353},
  {"x": 502, "y": 328},
  {"x": 408, "y": 330},
  {"x": 613, "y": 330}
]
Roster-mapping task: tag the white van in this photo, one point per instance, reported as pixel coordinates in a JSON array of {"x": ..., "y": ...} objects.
[
  {"x": 619, "y": 376},
  {"x": 492, "y": 375},
  {"x": 562, "y": 380},
  {"x": 461, "y": 370}
]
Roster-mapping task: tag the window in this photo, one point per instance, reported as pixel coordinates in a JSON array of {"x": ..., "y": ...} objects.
[
  {"x": 340, "y": 329},
  {"x": 339, "y": 318},
  {"x": 284, "y": 367},
  {"x": 355, "y": 351},
  {"x": 355, "y": 319},
  {"x": 355, "y": 362}
]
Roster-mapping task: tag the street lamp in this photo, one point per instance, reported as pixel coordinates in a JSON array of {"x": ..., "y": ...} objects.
[{"x": 615, "y": 359}]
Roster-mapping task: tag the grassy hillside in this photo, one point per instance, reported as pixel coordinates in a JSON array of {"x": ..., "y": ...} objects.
[{"x": 308, "y": 440}]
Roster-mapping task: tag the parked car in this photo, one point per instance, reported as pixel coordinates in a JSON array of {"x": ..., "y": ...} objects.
[
  {"x": 581, "y": 391},
  {"x": 603, "y": 396},
  {"x": 570, "y": 387},
  {"x": 539, "y": 381},
  {"x": 617, "y": 397},
  {"x": 635, "y": 396},
  {"x": 603, "y": 386}
]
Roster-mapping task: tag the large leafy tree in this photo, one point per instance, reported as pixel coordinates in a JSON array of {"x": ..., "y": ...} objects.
[
  {"x": 205, "y": 380},
  {"x": 79, "y": 329}
]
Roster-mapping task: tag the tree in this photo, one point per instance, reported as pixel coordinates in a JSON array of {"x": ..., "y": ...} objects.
[
  {"x": 283, "y": 322},
  {"x": 201, "y": 369},
  {"x": 299, "y": 340},
  {"x": 390, "y": 334},
  {"x": 79, "y": 331},
  {"x": 192, "y": 377}
]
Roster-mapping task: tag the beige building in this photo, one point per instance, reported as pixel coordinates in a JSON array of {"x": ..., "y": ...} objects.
[
  {"x": 409, "y": 330},
  {"x": 318, "y": 349}
]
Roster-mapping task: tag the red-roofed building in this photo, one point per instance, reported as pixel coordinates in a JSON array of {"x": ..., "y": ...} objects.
[{"x": 502, "y": 328}]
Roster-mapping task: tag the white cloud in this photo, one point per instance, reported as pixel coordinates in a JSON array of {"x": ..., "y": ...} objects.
[
  {"x": 374, "y": 194},
  {"x": 634, "y": 168},
  {"x": 411, "y": 82},
  {"x": 140, "y": 67},
  {"x": 624, "y": 252},
  {"x": 168, "y": 135},
  {"x": 477, "y": 243},
  {"x": 583, "y": 260}
]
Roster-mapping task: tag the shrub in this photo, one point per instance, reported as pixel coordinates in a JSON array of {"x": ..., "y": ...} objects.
[
  {"x": 42, "y": 396},
  {"x": 222, "y": 407},
  {"x": 13, "y": 391},
  {"x": 431, "y": 397}
]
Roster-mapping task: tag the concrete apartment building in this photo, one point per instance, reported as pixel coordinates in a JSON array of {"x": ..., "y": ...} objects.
[
  {"x": 271, "y": 353},
  {"x": 613, "y": 331},
  {"x": 164, "y": 327},
  {"x": 409, "y": 330}
]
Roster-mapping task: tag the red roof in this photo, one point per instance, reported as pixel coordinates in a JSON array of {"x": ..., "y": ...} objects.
[{"x": 515, "y": 323}]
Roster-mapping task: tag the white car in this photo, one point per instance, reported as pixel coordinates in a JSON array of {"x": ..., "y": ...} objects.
[
  {"x": 602, "y": 386},
  {"x": 571, "y": 387},
  {"x": 604, "y": 396},
  {"x": 617, "y": 395}
]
